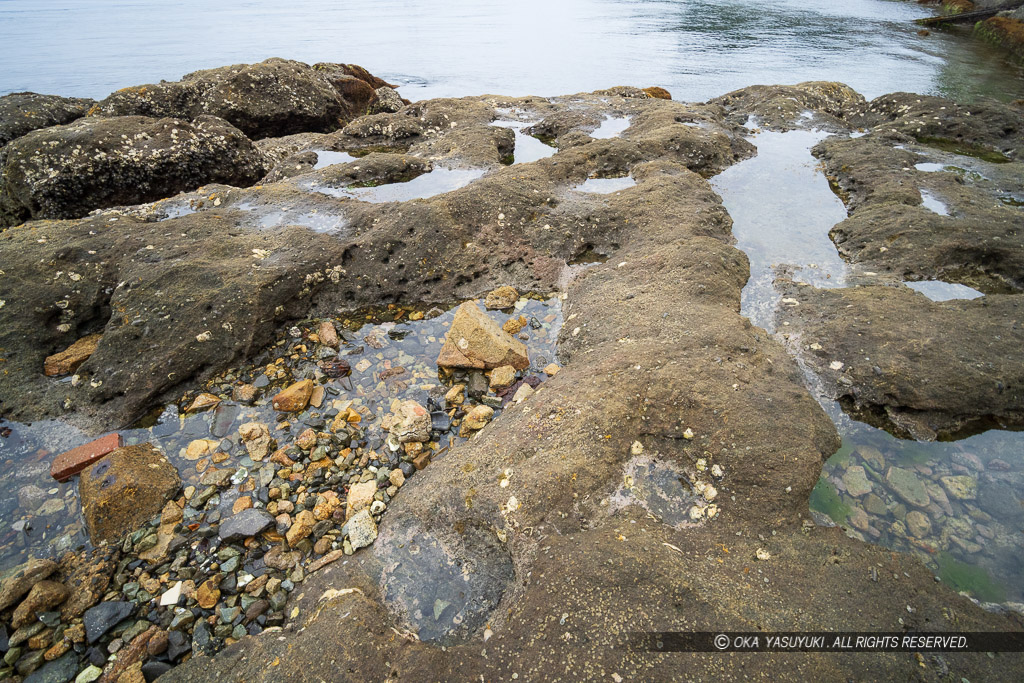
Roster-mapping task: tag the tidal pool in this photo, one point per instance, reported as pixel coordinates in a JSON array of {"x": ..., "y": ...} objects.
[
  {"x": 431, "y": 184},
  {"x": 956, "y": 505},
  {"x": 391, "y": 354}
]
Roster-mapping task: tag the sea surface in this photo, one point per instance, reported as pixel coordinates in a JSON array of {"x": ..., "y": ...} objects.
[{"x": 697, "y": 49}]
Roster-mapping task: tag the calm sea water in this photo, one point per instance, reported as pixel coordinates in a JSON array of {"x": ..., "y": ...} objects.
[{"x": 696, "y": 48}]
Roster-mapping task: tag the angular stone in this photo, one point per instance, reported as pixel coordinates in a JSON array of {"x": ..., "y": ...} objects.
[
  {"x": 255, "y": 436},
  {"x": 70, "y": 463},
  {"x": 361, "y": 529},
  {"x": 360, "y": 496},
  {"x": 246, "y": 523},
  {"x": 456, "y": 395},
  {"x": 476, "y": 341},
  {"x": 961, "y": 487},
  {"x": 301, "y": 527},
  {"x": 524, "y": 392},
  {"x": 502, "y": 297},
  {"x": 124, "y": 490},
  {"x": 908, "y": 486},
  {"x": 856, "y": 481},
  {"x": 294, "y": 397},
  {"x": 515, "y": 325},
  {"x": 551, "y": 369},
  {"x": 43, "y": 596},
  {"x": 918, "y": 523},
  {"x": 412, "y": 423},
  {"x": 478, "y": 417},
  {"x": 502, "y": 377},
  {"x": 208, "y": 593},
  {"x": 68, "y": 360},
  {"x": 328, "y": 335},
  {"x": 202, "y": 402},
  {"x": 103, "y": 617},
  {"x": 245, "y": 393},
  {"x": 60, "y": 670}
]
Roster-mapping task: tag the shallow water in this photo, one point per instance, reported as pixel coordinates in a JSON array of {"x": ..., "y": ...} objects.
[
  {"x": 605, "y": 185},
  {"x": 611, "y": 127},
  {"x": 697, "y": 49},
  {"x": 933, "y": 203},
  {"x": 326, "y": 158},
  {"x": 527, "y": 147},
  {"x": 437, "y": 181},
  {"x": 937, "y": 290},
  {"x": 390, "y": 359},
  {"x": 782, "y": 210}
]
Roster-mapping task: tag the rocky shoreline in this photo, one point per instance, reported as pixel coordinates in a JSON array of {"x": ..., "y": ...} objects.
[{"x": 658, "y": 479}]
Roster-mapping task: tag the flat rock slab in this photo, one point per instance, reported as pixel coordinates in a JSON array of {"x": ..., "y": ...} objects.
[
  {"x": 68, "y": 360},
  {"x": 475, "y": 340},
  {"x": 70, "y": 463},
  {"x": 21, "y": 580},
  {"x": 914, "y": 366},
  {"x": 104, "y": 616},
  {"x": 246, "y": 523}
]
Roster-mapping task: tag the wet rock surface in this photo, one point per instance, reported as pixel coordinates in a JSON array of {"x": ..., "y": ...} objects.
[
  {"x": 658, "y": 479},
  {"x": 919, "y": 367},
  {"x": 965, "y": 157}
]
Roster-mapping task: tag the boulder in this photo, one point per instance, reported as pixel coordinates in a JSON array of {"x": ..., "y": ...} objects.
[
  {"x": 68, "y": 360},
  {"x": 67, "y": 171},
  {"x": 476, "y": 341},
  {"x": 273, "y": 98},
  {"x": 24, "y": 112},
  {"x": 124, "y": 490}
]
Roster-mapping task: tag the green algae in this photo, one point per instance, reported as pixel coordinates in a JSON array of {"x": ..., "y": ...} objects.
[
  {"x": 970, "y": 578},
  {"x": 825, "y": 499}
]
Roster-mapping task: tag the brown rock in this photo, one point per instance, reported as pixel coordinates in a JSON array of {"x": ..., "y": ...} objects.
[
  {"x": 502, "y": 297},
  {"x": 87, "y": 576},
  {"x": 658, "y": 93},
  {"x": 478, "y": 417},
  {"x": 208, "y": 593},
  {"x": 322, "y": 546},
  {"x": 503, "y": 377},
  {"x": 127, "y": 668},
  {"x": 243, "y": 503},
  {"x": 316, "y": 399},
  {"x": 171, "y": 514},
  {"x": 203, "y": 401},
  {"x": 551, "y": 370},
  {"x": 306, "y": 440},
  {"x": 301, "y": 527},
  {"x": 68, "y": 360},
  {"x": 70, "y": 463},
  {"x": 22, "y": 580},
  {"x": 281, "y": 559},
  {"x": 421, "y": 460},
  {"x": 43, "y": 596},
  {"x": 256, "y": 438},
  {"x": 124, "y": 490},
  {"x": 157, "y": 645},
  {"x": 515, "y": 325},
  {"x": 456, "y": 395},
  {"x": 328, "y": 334},
  {"x": 360, "y": 496},
  {"x": 412, "y": 423},
  {"x": 294, "y": 397},
  {"x": 476, "y": 341},
  {"x": 246, "y": 393},
  {"x": 58, "y": 649}
]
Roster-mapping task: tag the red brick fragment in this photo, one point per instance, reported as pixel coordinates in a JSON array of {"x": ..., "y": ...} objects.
[{"x": 70, "y": 463}]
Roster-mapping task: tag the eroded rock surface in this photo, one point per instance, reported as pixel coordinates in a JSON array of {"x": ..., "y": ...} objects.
[{"x": 921, "y": 367}]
